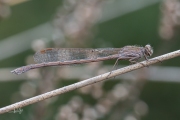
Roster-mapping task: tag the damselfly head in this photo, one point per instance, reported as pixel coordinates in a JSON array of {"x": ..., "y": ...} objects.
[{"x": 148, "y": 50}]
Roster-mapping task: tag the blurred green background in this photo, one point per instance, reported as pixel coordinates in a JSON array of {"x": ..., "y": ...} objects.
[{"x": 136, "y": 27}]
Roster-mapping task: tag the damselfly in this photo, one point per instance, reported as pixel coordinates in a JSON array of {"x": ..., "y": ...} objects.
[{"x": 69, "y": 56}]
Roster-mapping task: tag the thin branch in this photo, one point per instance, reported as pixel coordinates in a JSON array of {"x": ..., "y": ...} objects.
[{"x": 88, "y": 82}]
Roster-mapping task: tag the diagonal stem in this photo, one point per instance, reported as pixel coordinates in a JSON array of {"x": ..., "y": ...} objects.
[{"x": 88, "y": 82}]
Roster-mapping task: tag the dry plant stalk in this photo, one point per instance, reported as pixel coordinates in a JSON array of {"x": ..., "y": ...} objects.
[{"x": 89, "y": 81}]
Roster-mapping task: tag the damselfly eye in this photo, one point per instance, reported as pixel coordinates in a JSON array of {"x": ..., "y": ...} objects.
[{"x": 148, "y": 50}]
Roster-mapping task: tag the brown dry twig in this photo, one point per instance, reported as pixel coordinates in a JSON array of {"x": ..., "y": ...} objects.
[{"x": 88, "y": 82}]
